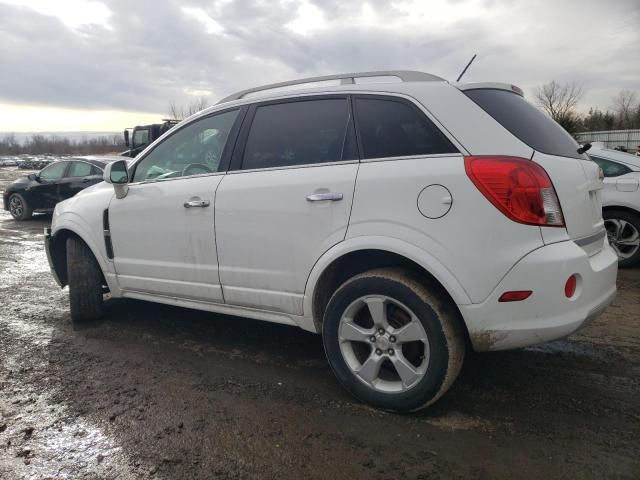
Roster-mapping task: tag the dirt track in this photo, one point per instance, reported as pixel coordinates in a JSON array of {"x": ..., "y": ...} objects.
[{"x": 158, "y": 392}]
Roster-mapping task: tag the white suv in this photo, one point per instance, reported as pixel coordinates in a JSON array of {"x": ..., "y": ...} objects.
[
  {"x": 403, "y": 217},
  {"x": 620, "y": 201}
]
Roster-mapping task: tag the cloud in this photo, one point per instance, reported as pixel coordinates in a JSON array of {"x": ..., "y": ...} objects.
[{"x": 138, "y": 57}]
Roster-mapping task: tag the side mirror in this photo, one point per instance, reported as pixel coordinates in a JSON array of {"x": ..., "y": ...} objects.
[
  {"x": 116, "y": 174},
  {"x": 126, "y": 138},
  {"x": 33, "y": 177}
]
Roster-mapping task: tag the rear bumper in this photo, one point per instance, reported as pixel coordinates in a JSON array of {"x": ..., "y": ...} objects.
[{"x": 547, "y": 314}]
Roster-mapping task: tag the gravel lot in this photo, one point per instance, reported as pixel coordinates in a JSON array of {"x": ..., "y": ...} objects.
[{"x": 153, "y": 391}]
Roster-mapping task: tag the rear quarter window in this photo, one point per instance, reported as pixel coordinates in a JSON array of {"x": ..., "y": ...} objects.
[
  {"x": 394, "y": 128},
  {"x": 610, "y": 168},
  {"x": 526, "y": 122}
]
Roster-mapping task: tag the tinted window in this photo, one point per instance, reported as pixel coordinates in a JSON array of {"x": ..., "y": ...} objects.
[
  {"x": 526, "y": 122},
  {"x": 140, "y": 138},
  {"x": 80, "y": 169},
  {"x": 53, "y": 171},
  {"x": 298, "y": 133},
  {"x": 392, "y": 128},
  {"x": 192, "y": 150},
  {"x": 610, "y": 169}
]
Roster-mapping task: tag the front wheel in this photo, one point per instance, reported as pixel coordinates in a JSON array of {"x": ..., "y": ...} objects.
[
  {"x": 19, "y": 208},
  {"x": 85, "y": 282},
  {"x": 623, "y": 230},
  {"x": 392, "y": 342}
]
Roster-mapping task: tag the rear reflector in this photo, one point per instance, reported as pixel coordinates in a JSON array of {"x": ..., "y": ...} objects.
[
  {"x": 515, "y": 296},
  {"x": 570, "y": 286},
  {"x": 519, "y": 188}
]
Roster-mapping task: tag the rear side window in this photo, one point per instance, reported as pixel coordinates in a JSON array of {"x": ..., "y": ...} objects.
[
  {"x": 80, "y": 169},
  {"x": 609, "y": 168},
  {"x": 393, "y": 128},
  {"x": 298, "y": 133},
  {"x": 526, "y": 122}
]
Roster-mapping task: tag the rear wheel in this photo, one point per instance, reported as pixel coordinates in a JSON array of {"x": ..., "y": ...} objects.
[
  {"x": 392, "y": 342},
  {"x": 623, "y": 231},
  {"x": 19, "y": 208},
  {"x": 85, "y": 282}
]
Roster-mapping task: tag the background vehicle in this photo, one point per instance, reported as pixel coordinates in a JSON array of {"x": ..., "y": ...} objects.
[
  {"x": 40, "y": 192},
  {"x": 620, "y": 201},
  {"x": 403, "y": 219},
  {"x": 143, "y": 135}
]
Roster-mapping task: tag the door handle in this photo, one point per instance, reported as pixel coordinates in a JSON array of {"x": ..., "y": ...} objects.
[
  {"x": 319, "y": 197},
  {"x": 196, "y": 203}
]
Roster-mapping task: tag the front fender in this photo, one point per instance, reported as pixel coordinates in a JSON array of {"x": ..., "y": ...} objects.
[{"x": 392, "y": 245}]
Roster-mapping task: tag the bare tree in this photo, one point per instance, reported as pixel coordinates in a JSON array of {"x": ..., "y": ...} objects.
[
  {"x": 180, "y": 112},
  {"x": 559, "y": 101},
  {"x": 624, "y": 105}
]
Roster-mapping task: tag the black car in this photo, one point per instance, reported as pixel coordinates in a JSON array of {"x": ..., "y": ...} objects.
[{"x": 39, "y": 192}]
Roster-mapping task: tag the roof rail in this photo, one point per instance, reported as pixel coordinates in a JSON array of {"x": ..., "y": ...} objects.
[{"x": 345, "y": 79}]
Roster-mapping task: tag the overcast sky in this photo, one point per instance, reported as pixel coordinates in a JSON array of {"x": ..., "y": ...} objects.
[{"x": 106, "y": 65}]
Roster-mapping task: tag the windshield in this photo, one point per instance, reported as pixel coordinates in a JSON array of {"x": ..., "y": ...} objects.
[{"x": 140, "y": 138}]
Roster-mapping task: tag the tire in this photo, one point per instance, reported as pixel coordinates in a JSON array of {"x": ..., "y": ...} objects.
[
  {"x": 85, "y": 282},
  {"x": 19, "y": 208},
  {"x": 623, "y": 230},
  {"x": 401, "y": 300}
]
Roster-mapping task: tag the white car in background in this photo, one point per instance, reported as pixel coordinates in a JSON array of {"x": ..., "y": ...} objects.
[{"x": 620, "y": 201}]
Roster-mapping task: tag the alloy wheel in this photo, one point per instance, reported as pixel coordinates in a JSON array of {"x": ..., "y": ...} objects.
[
  {"x": 16, "y": 206},
  {"x": 384, "y": 344},
  {"x": 623, "y": 237}
]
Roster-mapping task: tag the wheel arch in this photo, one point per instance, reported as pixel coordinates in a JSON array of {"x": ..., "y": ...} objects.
[
  {"x": 622, "y": 208},
  {"x": 58, "y": 253},
  {"x": 362, "y": 254}
]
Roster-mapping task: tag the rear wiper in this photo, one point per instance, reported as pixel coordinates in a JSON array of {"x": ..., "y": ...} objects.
[{"x": 584, "y": 148}]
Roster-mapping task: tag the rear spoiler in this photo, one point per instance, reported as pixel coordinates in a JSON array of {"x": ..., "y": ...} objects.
[{"x": 490, "y": 86}]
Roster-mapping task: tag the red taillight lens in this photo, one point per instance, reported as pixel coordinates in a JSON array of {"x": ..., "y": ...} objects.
[
  {"x": 519, "y": 188},
  {"x": 570, "y": 286},
  {"x": 515, "y": 296}
]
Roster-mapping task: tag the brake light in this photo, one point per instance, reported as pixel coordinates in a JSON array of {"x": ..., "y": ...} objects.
[{"x": 519, "y": 188}]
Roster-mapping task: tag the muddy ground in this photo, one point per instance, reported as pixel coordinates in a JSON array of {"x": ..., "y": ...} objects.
[{"x": 153, "y": 391}]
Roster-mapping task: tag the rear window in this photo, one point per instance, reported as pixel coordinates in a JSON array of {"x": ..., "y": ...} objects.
[{"x": 526, "y": 122}]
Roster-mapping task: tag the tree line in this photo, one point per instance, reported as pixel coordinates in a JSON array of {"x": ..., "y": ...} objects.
[
  {"x": 560, "y": 100},
  {"x": 42, "y": 145}
]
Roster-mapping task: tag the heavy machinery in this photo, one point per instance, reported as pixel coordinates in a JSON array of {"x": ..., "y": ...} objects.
[{"x": 143, "y": 135}]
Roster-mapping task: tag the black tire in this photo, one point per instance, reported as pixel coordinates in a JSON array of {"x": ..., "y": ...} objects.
[
  {"x": 634, "y": 222},
  {"x": 437, "y": 315},
  {"x": 19, "y": 208},
  {"x": 85, "y": 282}
]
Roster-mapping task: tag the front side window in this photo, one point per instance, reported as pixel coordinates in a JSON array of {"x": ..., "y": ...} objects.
[
  {"x": 53, "y": 171},
  {"x": 80, "y": 169},
  {"x": 609, "y": 168},
  {"x": 298, "y": 133},
  {"x": 393, "y": 128},
  {"x": 192, "y": 150}
]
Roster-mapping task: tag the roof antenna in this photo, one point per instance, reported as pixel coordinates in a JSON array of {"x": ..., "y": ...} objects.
[{"x": 465, "y": 68}]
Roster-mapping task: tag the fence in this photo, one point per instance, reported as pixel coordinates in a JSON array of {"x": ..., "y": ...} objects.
[{"x": 629, "y": 139}]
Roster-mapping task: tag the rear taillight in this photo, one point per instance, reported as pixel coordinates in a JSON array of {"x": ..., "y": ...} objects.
[{"x": 519, "y": 188}]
